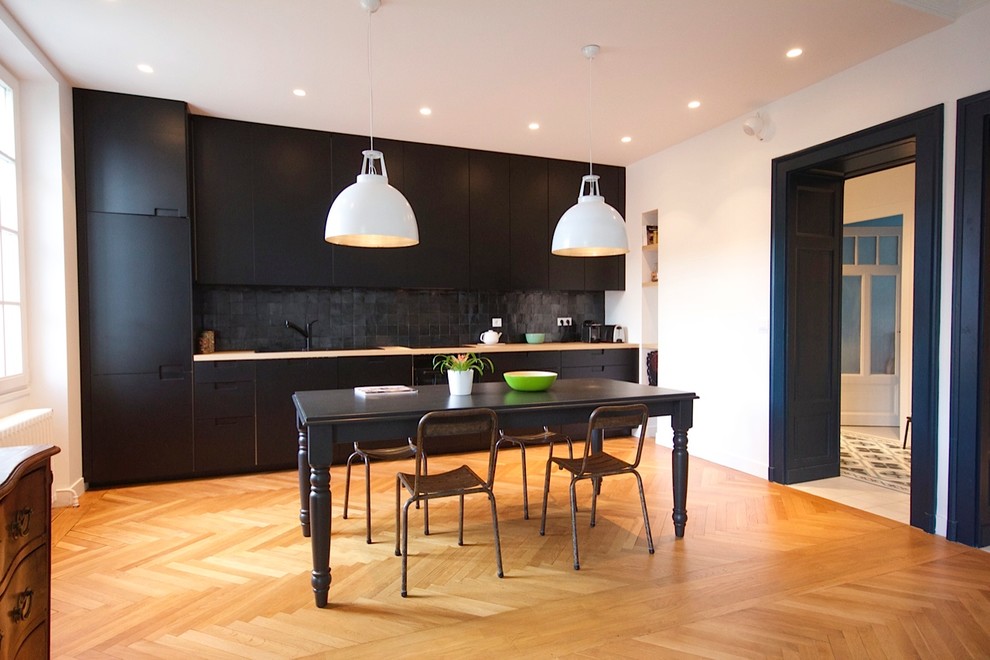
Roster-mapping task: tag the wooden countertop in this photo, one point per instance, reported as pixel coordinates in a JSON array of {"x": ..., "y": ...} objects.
[{"x": 406, "y": 350}]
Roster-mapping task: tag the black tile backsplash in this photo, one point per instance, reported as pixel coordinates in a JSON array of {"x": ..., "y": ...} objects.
[{"x": 253, "y": 318}]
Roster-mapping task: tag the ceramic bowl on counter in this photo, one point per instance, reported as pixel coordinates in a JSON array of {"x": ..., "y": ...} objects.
[
  {"x": 530, "y": 381},
  {"x": 535, "y": 337}
]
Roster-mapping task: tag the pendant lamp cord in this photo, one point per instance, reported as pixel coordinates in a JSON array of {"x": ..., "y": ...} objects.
[
  {"x": 371, "y": 91},
  {"x": 590, "y": 172}
]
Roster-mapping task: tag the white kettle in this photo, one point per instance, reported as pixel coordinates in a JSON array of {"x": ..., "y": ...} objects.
[{"x": 490, "y": 337}]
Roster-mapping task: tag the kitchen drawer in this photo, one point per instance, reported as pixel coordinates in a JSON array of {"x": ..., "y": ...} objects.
[
  {"x": 23, "y": 516},
  {"x": 25, "y": 602},
  {"x": 224, "y": 399},
  {"x": 524, "y": 360},
  {"x": 597, "y": 357},
  {"x": 614, "y": 371},
  {"x": 223, "y": 371},
  {"x": 225, "y": 444}
]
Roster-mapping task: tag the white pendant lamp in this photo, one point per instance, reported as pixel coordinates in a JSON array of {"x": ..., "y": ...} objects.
[
  {"x": 371, "y": 213},
  {"x": 590, "y": 228}
]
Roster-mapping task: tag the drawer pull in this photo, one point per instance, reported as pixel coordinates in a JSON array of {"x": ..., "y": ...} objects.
[
  {"x": 23, "y": 609},
  {"x": 21, "y": 526}
]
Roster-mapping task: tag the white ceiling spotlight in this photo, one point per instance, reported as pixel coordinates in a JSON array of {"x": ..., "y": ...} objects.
[
  {"x": 590, "y": 228},
  {"x": 371, "y": 213},
  {"x": 756, "y": 126}
]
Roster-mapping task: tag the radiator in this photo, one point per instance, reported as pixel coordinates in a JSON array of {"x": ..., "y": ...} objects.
[{"x": 28, "y": 427}]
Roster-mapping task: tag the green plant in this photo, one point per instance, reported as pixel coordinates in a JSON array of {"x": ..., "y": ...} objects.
[{"x": 462, "y": 362}]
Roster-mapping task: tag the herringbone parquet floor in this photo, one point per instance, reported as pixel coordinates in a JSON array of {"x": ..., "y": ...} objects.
[{"x": 218, "y": 568}]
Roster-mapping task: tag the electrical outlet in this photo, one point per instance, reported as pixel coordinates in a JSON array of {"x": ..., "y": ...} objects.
[
  {"x": 497, "y": 322},
  {"x": 563, "y": 321}
]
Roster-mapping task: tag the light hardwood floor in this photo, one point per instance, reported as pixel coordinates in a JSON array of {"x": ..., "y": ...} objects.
[{"x": 218, "y": 568}]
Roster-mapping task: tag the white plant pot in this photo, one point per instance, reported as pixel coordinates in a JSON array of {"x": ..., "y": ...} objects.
[{"x": 460, "y": 382}]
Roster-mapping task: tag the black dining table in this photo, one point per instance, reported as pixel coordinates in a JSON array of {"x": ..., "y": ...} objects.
[{"x": 326, "y": 418}]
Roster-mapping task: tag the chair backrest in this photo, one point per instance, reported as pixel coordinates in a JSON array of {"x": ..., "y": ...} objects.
[
  {"x": 604, "y": 418},
  {"x": 445, "y": 423}
]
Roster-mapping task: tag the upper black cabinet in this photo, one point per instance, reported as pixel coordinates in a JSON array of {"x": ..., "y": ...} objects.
[
  {"x": 367, "y": 267},
  {"x": 131, "y": 154},
  {"x": 138, "y": 293},
  {"x": 434, "y": 180},
  {"x": 529, "y": 254},
  {"x": 564, "y": 186},
  {"x": 262, "y": 195},
  {"x": 490, "y": 227}
]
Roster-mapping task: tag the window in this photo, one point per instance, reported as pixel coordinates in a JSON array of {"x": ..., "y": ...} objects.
[{"x": 12, "y": 368}]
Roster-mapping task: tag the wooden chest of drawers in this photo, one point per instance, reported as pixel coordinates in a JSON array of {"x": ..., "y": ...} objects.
[{"x": 25, "y": 551}]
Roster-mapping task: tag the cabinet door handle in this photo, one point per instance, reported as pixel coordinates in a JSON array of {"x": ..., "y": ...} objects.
[
  {"x": 23, "y": 609},
  {"x": 21, "y": 525}
]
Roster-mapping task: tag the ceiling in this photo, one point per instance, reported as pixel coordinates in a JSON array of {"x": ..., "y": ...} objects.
[{"x": 487, "y": 68}]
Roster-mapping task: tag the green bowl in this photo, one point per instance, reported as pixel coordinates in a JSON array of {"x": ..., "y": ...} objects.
[
  {"x": 535, "y": 337},
  {"x": 530, "y": 381}
]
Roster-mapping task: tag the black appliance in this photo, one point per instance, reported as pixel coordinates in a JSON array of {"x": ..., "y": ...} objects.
[{"x": 594, "y": 333}]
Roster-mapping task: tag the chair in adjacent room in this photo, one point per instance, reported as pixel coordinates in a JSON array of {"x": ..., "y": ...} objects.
[
  {"x": 368, "y": 452},
  {"x": 523, "y": 439},
  {"x": 458, "y": 482},
  {"x": 596, "y": 465}
]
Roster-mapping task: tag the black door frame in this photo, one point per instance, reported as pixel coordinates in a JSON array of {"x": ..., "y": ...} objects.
[
  {"x": 914, "y": 138},
  {"x": 970, "y": 336}
]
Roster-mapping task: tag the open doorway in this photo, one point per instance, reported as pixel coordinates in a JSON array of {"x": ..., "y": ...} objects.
[
  {"x": 806, "y": 251},
  {"x": 876, "y": 346}
]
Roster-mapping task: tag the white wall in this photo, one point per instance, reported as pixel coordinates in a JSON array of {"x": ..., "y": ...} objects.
[
  {"x": 879, "y": 195},
  {"x": 713, "y": 193},
  {"x": 45, "y": 156}
]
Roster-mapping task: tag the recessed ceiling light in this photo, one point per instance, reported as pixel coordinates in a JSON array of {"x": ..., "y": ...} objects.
[
  {"x": 145, "y": 68},
  {"x": 426, "y": 112},
  {"x": 694, "y": 104},
  {"x": 299, "y": 92},
  {"x": 794, "y": 52},
  {"x": 533, "y": 126},
  {"x": 627, "y": 139}
]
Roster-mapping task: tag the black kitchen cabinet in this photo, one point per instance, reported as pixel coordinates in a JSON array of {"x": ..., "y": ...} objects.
[
  {"x": 131, "y": 154},
  {"x": 262, "y": 194},
  {"x": 277, "y": 441},
  {"x": 608, "y": 273},
  {"x": 224, "y": 414},
  {"x": 436, "y": 185},
  {"x": 618, "y": 364},
  {"x": 139, "y": 428},
  {"x": 563, "y": 187},
  {"x": 368, "y": 267},
  {"x": 364, "y": 370},
  {"x": 224, "y": 201},
  {"x": 137, "y": 295},
  {"x": 292, "y": 196},
  {"x": 529, "y": 252},
  {"x": 584, "y": 273},
  {"x": 521, "y": 361},
  {"x": 491, "y": 232}
]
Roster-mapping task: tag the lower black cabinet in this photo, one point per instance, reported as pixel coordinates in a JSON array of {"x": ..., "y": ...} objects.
[
  {"x": 224, "y": 414},
  {"x": 277, "y": 380},
  {"x": 144, "y": 428}
]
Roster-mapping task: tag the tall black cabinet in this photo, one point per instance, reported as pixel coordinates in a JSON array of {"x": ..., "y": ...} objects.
[{"x": 135, "y": 277}]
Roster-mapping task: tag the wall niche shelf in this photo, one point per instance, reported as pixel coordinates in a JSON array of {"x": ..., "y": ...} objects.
[{"x": 649, "y": 290}]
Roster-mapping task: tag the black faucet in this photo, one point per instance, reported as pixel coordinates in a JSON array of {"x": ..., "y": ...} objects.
[{"x": 307, "y": 333}]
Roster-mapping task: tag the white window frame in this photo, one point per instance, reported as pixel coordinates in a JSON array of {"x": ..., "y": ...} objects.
[{"x": 16, "y": 385}]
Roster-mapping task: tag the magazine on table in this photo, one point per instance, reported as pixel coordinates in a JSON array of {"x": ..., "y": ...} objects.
[{"x": 383, "y": 390}]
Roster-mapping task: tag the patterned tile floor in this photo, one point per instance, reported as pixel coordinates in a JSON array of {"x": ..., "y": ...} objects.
[{"x": 867, "y": 497}]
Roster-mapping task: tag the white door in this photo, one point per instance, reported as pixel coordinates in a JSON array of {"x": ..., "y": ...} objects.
[{"x": 871, "y": 286}]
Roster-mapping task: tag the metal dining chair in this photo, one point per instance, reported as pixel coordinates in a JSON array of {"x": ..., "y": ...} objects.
[
  {"x": 368, "y": 452},
  {"x": 596, "y": 465},
  {"x": 461, "y": 481},
  {"x": 522, "y": 439}
]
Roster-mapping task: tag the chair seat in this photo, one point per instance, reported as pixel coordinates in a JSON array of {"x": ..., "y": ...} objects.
[
  {"x": 389, "y": 453},
  {"x": 596, "y": 465},
  {"x": 443, "y": 484}
]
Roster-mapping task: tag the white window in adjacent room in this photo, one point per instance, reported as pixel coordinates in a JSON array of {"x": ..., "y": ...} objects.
[{"x": 12, "y": 368}]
